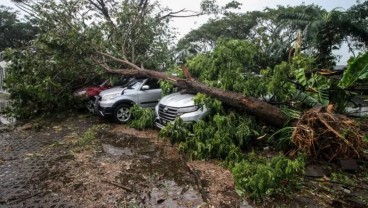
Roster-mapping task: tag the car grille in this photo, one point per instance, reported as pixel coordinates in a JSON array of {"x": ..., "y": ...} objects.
[{"x": 167, "y": 113}]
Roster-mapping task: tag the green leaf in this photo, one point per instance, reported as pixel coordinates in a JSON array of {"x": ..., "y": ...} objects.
[
  {"x": 357, "y": 70},
  {"x": 323, "y": 95},
  {"x": 305, "y": 98},
  {"x": 300, "y": 77}
]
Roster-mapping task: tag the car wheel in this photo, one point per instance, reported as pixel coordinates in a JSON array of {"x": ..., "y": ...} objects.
[
  {"x": 122, "y": 113},
  {"x": 90, "y": 106}
]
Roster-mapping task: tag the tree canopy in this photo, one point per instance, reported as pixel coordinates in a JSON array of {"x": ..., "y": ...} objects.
[
  {"x": 276, "y": 32},
  {"x": 76, "y": 41},
  {"x": 14, "y": 32}
]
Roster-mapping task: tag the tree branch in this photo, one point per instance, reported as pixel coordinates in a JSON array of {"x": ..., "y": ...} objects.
[
  {"x": 123, "y": 61},
  {"x": 175, "y": 14},
  {"x": 101, "y": 6}
]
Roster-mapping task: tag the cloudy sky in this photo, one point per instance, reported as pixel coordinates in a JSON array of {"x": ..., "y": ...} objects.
[{"x": 184, "y": 25}]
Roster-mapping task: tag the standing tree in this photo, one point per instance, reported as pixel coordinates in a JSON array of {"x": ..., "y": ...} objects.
[
  {"x": 15, "y": 33},
  {"x": 324, "y": 31}
]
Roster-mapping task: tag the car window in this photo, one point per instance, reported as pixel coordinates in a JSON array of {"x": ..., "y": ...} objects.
[
  {"x": 153, "y": 83},
  {"x": 135, "y": 84}
]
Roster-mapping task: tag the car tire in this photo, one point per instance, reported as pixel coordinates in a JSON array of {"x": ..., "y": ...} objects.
[
  {"x": 90, "y": 105},
  {"x": 122, "y": 113}
]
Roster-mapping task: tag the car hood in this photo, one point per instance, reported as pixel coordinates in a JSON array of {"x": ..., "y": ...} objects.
[
  {"x": 112, "y": 91},
  {"x": 178, "y": 100}
]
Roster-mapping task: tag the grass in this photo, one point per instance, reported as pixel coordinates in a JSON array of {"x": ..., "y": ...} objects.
[{"x": 89, "y": 137}]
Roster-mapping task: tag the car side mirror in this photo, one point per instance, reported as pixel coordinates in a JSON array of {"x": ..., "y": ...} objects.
[{"x": 145, "y": 87}]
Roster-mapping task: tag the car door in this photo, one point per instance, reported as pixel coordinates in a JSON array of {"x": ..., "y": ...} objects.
[{"x": 149, "y": 94}]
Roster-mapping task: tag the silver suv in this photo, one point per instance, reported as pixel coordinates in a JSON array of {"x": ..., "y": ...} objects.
[
  {"x": 116, "y": 101},
  {"x": 178, "y": 105}
]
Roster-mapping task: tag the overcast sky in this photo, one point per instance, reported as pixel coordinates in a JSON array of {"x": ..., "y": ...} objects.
[{"x": 184, "y": 25}]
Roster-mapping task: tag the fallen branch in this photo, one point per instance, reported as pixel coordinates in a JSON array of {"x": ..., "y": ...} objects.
[
  {"x": 336, "y": 182},
  {"x": 118, "y": 185},
  {"x": 21, "y": 198}
]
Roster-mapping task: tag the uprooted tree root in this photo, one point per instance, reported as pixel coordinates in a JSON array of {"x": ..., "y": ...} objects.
[{"x": 327, "y": 135}]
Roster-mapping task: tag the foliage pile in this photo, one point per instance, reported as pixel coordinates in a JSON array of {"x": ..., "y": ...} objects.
[
  {"x": 142, "y": 118},
  {"x": 221, "y": 137},
  {"x": 262, "y": 177},
  {"x": 327, "y": 135},
  {"x": 226, "y": 137},
  {"x": 224, "y": 133}
]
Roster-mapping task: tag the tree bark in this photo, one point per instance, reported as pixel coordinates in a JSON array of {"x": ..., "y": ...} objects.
[{"x": 262, "y": 110}]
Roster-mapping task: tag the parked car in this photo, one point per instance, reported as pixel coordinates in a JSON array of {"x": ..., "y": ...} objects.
[
  {"x": 90, "y": 92},
  {"x": 178, "y": 105},
  {"x": 116, "y": 102}
]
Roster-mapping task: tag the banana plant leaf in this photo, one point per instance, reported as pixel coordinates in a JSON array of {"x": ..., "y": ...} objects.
[{"x": 357, "y": 70}]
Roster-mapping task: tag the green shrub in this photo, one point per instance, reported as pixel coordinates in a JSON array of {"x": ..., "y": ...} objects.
[
  {"x": 261, "y": 177},
  {"x": 142, "y": 118}
]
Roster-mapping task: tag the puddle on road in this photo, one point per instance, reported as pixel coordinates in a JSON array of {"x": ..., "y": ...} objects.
[
  {"x": 128, "y": 145},
  {"x": 117, "y": 151},
  {"x": 169, "y": 194}
]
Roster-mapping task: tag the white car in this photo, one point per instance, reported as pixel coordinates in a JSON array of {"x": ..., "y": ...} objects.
[{"x": 178, "y": 105}]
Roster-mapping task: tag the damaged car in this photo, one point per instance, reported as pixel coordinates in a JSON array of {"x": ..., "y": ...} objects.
[{"x": 177, "y": 105}]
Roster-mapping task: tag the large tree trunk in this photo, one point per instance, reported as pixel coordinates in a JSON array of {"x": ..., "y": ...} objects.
[{"x": 262, "y": 110}]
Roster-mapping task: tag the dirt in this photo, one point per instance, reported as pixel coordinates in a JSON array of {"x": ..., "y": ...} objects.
[
  {"x": 123, "y": 167},
  {"x": 44, "y": 163}
]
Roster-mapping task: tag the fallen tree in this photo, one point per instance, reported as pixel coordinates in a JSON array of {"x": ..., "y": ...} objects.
[
  {"x": 315, "y": 133},
  {"x": 262, "y": 110}
]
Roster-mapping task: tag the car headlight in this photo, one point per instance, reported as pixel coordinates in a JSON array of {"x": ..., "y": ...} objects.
[
  {"x": 187, "y": 109},
  {"x": 110, "y": 96}
]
